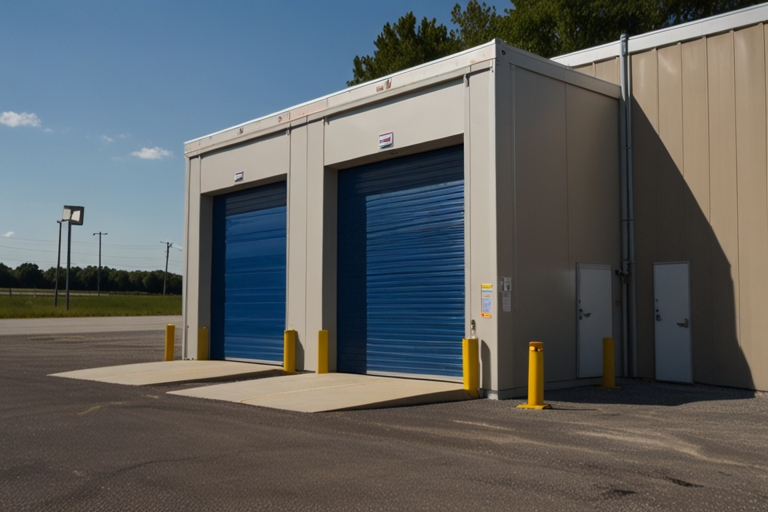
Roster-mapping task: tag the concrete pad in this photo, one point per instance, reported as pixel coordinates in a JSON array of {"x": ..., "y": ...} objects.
[
  {"x": 168, "y": 372},
  {"x": 27, "y": 326},
  {"x": 311, "y": 392}
]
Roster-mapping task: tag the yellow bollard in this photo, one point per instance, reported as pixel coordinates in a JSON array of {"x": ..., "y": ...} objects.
[
  {"x": 609, "y": 368},
  {"x": 535, "y": 377},
  {"x": 289, "y": 352},
  {"x": 470, "y": 360},
  {"x": 322, "y": 352},
  {"x": 170, "y": 336},
  {"x": 202, "y": 344}
]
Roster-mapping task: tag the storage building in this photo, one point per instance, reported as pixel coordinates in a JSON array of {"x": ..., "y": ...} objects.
[{"x": 474, "y": 195}]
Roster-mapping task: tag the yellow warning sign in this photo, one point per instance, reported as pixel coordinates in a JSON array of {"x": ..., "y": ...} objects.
[{"x": 486, "y": 300}]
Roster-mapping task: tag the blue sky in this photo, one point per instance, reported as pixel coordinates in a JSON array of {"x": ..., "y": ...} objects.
[{"x": 98, "y": 97}]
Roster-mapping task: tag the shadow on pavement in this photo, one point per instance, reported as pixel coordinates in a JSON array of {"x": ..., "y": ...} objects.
[{"x": 638, "y": 392}]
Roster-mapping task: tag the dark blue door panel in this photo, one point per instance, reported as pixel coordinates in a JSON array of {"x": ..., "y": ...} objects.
[
  {"x": 401, "y": 265},
  {"x": 249, "y": 274}
]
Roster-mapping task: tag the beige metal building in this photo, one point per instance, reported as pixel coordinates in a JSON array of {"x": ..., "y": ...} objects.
[
  {"x": 475, "y": 194},
  {"x": 696, "y": 165}
]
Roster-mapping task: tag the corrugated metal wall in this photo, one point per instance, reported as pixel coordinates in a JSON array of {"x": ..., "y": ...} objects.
[{"x": 701, "y": 194}]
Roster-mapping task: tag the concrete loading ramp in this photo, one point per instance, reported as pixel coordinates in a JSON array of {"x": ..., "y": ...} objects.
[
  {"x": 312, "y": 392},
  {"x": 173, "y": 372}
]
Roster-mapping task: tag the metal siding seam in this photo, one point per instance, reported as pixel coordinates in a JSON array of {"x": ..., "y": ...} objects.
[{"x": 736, "y": 167}]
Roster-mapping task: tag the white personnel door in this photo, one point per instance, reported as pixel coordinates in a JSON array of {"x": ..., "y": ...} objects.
[
  {"x": 594, "y": 317},
  {"x": 672, "y": 313}
]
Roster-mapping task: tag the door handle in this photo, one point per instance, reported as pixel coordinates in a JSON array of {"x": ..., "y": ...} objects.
[
  {"x": 582, "y": 314},
  {"x": 587, "y": 314},
  {"x": 684, "y": 323},
  {"x": 658, "y": 317}
]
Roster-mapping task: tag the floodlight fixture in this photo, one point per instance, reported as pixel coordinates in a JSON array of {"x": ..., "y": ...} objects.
[{"x": 73, "y": 214}]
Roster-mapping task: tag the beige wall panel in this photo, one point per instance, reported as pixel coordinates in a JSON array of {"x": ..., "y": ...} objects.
[
  {"x": 480, "y": 220},
  {"x": 260, "y": 159},
  {"x": 296, "y": 306},
  {"x": 545, "y": 280},
  {"x": 415, "y": 118},
  {"x": 594, "y": 230},
  {"x": 505, "y": 219},
  {"x": 192, "y": 260},
  {"x": 669, "y": 180},
  {"x": 646, "y": 148},
  {"x": 587, "y": 69},
  {"x": 749, "y": 50},
  {"x": 608, "y": 70},
  {"x": 726, "y": 352},
  {"x": 698, "y": 233},
  {"x": 317, "y": 230}
]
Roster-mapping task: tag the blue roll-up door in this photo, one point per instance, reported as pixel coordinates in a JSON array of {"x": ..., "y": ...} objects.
[
  {"x": 248, "y": 278},
  {"x": 401, "y": 265}
]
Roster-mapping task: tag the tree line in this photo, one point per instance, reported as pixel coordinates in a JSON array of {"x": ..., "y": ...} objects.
[
  {"x": 545, "y": 27},
  {"x": 29, "y": 275}
]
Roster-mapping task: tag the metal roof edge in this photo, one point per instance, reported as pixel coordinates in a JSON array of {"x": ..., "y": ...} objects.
[
  {"x": 700, "y": 28},
  {"x": 348, "y": 89},
  {"x": 594, "y": 54},
  {"x": 669, "y": 35}
]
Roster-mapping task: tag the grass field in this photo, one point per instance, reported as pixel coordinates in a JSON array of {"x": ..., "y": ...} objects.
[{"x": 25, "y": 306}]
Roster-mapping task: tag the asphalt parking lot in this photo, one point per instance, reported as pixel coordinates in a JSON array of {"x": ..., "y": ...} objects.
[{"x": 82, "y": 445}]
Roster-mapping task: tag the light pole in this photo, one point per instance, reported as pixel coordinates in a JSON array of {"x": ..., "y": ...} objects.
[
  {"x": 71, "y": 215},
  {"x": 168, "y": 246},
  {"x": 58, "y": 266},
  {"x": 98, "y": 272}
]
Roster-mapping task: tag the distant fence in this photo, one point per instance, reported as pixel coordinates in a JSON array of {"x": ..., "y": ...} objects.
[{"x": 34, "y": 292}]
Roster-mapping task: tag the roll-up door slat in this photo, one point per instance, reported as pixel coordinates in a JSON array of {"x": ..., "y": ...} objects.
[
  {"x": 401, "y": 265},
  {"x": 249, "y": 274}
]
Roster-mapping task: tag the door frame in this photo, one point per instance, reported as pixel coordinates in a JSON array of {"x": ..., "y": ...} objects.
[
  {"x": 588, "y": 266},
  {"x": 688, "y": 317}
]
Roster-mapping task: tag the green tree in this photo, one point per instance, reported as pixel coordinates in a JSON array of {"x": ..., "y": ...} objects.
[
  {"x": 555, "y": 27},
  {"x": 545, "y": 27},
  {"x": 477, "y": 24},
  {"x": 29, "y": 275},
  {"x": 174, "y": 284},
  {"x": 50, "y": 277},
  {"x": 404, "y": 45},
  {"x": 7, "y": 277},
  {"x": 120, "y": 280},
  {"x": 87, "y": 278},
  {"x": 153, "y": 282}
]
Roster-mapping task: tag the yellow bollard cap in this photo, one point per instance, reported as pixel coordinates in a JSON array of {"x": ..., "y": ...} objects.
[{"x": 536, "y": 346}]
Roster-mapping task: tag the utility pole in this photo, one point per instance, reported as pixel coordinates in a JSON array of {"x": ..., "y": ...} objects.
[
  {"x": 58, "y": 266},
  {"x": 98, "y": 272},
  {"x": 168, "y": 246}
]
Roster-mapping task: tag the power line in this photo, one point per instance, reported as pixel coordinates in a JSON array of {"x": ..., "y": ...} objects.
[
  {"x": 73, "y": 252},
  {"x": 147, "y": 246}
]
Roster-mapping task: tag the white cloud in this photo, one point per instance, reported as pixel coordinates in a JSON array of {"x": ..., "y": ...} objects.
[
  {"x": 9, "y": 234},
  {"x": 152, "y": 153},
  {"x": 47, "y": 130},
  {"x": 13, "y": 119},
  {"x": 107, "y": 139}
]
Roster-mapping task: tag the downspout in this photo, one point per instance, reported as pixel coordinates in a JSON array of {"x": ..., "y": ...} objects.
[
  {"x": 625, "y": 180},
  {"x": 632, "y": 312}
]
